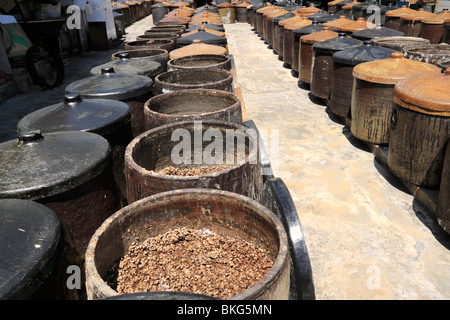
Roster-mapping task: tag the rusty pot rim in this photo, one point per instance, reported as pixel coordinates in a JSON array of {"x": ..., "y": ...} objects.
[
  {"x": 148, "y": 173},
  {"x": 228, "y": 77},
  {"x": 256, "y": 290}
]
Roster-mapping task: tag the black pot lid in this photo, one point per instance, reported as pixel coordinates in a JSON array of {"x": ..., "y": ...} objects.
[
  {"x": 325, "y": 18},
  {"x": 111, "y": 85},
  {"x": 341, "y": 42},
  {"x": 212, "y": 26},
  {"x": 318, "y": 15},
  {"x": 376, "y": 32},
  {"x": 101, "y": 116},
  {"x": 283, "y": 17},
  {"x": 362, "y": 53},
  {"x": 204, "y": 37},
  {"x": 362, "y": 5},
  {"x": 38, "y": 165},
  {"x": 30, "y": 237},
  {"x": 312, "y": 28},
  {"x": 160, "y": 5},
  {"x": 124, "y": 64}
]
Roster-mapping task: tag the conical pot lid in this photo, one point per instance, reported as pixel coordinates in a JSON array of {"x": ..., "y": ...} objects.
[
  {"x": 294, "y": 19},
  {"x": 101, "y": 116},
  {"x": 127, "y": 65},
  {"x": 303, "y": 22},
  {"x": 309, "y": 10},
  {"x": 363, "y": 53},
  {"x": 418, "y": 15},
  {"x": 377, "y": 32},
  {"x": 318, "y": 15},
  {"x": 30, "y": 234},
  {"x": 111, "y": 85},
  {"x": 341, "y": 42},
  {"x": 350, "y": 5},
  {"x": 392, "y": 69},
  {"x": 322, "y": 35},
  {"x": 399, "y": 12},
  {"x": 337, "y": 22},
  {"x": 284, "y": 16},
  {"x": 313, "y": 27},
  {"x": 217, "y": 33},
  {"x": 427, "y": 93},
  {"x": 203, "y": 36},
  {"x": 197, "y": 47},
  {"x": 38, "y": 165},
  {"x": 353, "y": 26},
  {"x": 211, "y": 26}
]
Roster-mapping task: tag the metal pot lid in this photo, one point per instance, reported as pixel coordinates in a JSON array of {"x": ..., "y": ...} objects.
[
  {"x": 318, "y": 15},
  {"x": 392, "y": 69},
  {"x": 30, "y": 237},
  {"x": 377, "y": 32},
  {"x": 38, "y": 165},
  {"x": 426, "y": 94},
  {"x": 326, "y": 18},
  {"x": 111, "y": 85},
  {"x": 203, "y": 36},
  {"x": 101, "y": 116},
  {"x": 341, "y": 42},
  {"x": 126, "y": 65},
  {"x": 313, "y": 27},
  {"x": 284, "y": 17},
  {"x": 362, "y": 53}
]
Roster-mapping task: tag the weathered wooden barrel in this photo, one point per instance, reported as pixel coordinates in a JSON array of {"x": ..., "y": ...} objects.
[
  {"x": 221, "y": 212},
  {"x": 297, "y": 33},
  {"x": 443, "y": 204},
  {"x": 430, "y": 53},
  {"x": 392, "y": 18},
  {"x": 373, "y": 94},
  {"x": 241, "y": 12},
  {"x": 46, "y": 168},
  {"x": 165, "y": 44},
  {"x": 306, "y": 51},
  {"x": 322, "y": 65},
  {"x": 410, "y": 24},
  {"x": 419, "y": 129},
  {"x": 192, "y": 104},
  {"x": 344, "y": 61},
  {"x": 398, "y": 43},
  {"x": 193, "y": 79},
  {"x": 433, "y": 29},
  {"x": 150, "y": 157},
  {"x": 278, "y": 32},
  {"x": 158, "y": 55},
  {"x": 201, "y": 61},
  {"x": 288, "y": 39},
  {"x": 33, "y": 263}
]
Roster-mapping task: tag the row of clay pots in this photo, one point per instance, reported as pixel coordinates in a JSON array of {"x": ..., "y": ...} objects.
[
  {"x": 198, "y": 86},
  {"x": 367, "y": 83}
]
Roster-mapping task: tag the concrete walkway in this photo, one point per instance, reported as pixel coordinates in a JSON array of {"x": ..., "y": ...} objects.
[{"x": 366, "y": 236}]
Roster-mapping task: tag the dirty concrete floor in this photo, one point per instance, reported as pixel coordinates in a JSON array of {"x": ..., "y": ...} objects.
[{"x": 367, "y": 238}]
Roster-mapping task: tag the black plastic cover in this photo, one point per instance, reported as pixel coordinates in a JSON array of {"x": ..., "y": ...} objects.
[
  {"x": 204, "y": 37},
  {"x": 341, "y": 42}
]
